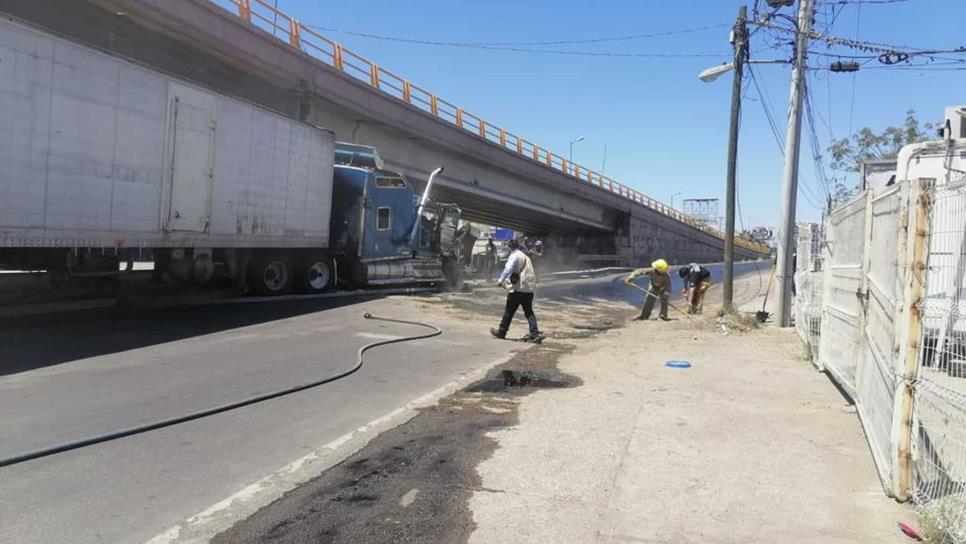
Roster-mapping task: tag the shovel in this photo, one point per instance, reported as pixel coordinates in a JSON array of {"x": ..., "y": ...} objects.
[
  {"x": 650, "y": 294},
  {"x": 762, "y": 315}
]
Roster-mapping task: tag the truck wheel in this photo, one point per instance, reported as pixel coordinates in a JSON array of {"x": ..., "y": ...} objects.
[
  {"x": 315, "y": 275},
  {"x": 271, "y": 274}
]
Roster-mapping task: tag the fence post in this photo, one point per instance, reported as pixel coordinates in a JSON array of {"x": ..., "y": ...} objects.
[
  {"x": 917, "y": 232},
  {"x": 407, "y": 92},
  {"x": 434, "y": 105},
  {"x": 482, "y": 129},
  {"x": 374, "y": 75},
  {"x": 245, "y": 10},
  {"x": 337, "y": 58},
  {"x": 294, "y": 34}
]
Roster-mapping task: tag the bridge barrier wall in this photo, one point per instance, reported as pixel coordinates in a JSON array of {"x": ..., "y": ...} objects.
[
  {"x": 891, "y": 282},
  {"x": 307, "y": 39}
]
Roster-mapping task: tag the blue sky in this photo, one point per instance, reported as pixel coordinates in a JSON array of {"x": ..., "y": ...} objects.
[{"x": 665, "y": 131}]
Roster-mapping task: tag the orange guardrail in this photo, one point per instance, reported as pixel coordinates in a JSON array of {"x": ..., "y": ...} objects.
[{"x": 265, "y": 16}]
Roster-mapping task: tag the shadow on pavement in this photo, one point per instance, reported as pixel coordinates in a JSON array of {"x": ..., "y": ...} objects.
[{"x": 28, "y": 343}]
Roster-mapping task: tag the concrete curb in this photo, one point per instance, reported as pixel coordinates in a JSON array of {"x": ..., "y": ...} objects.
[{"x": 222, "y": 515}]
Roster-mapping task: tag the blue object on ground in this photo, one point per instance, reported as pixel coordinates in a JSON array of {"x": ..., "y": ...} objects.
[{"x": 677, "y": 364}]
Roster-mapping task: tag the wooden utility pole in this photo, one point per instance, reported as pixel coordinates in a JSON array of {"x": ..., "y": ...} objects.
[{"x": 740, "y": 43}]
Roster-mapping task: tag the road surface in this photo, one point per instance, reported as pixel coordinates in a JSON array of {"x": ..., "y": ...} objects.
[{"x": 71, "y": 376}]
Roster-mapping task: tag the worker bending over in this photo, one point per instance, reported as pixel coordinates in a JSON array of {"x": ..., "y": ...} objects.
[
  {"x": 697, "y": 280},
  {"x": 519, "y": 280},
  {"x": 660, "y": 287}
]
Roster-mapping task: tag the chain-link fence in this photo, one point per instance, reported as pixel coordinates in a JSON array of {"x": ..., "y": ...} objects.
[{"x": 887, "y": 321}]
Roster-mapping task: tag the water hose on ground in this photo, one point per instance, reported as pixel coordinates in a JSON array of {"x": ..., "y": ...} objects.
[{"x": 160, "y": 424}]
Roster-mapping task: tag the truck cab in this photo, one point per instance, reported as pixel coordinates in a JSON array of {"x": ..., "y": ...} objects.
[{"x": 374, "y": 212}]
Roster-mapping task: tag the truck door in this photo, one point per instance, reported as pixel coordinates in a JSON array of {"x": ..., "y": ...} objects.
[
  {"x": 389, "y": 214},
  {"x": 190, "y": 172}
]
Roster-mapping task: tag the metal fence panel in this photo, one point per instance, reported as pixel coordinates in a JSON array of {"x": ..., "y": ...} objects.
[
  {"x": 808, "y": 286},
  {"x": 839, "y": 352},
  {"x": 939, "y": 409},
  {"x": 877, "y": 370}
]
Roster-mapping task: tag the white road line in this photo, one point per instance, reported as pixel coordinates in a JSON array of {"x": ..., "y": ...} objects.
[{"x": 222, "y": 515}]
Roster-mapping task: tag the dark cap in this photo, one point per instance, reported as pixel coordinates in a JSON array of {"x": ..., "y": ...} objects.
[{"x": 513, "y": 243}]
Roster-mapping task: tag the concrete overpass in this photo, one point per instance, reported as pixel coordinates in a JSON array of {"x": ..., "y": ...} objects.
[{"x": 244, "y": 48}]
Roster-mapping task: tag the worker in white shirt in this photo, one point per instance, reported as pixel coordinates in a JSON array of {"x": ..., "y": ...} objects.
[{"x": 520, "y": 281}]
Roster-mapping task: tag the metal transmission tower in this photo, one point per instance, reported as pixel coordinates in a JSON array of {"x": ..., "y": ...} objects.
[{"x": 707, "y": 210}]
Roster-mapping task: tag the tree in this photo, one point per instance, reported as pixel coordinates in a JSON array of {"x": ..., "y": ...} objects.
[
  {"x": 761, "y": 235},
  {"x": 848, "y": 154}
]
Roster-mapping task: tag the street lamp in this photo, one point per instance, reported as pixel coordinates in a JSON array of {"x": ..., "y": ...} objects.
[
  {"x": 579, "y": 139},
  {"x": 715, "y": 72},
  {"x": 672, "y": 197}
]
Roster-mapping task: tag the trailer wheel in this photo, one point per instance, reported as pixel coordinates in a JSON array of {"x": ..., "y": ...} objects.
[
  {"x": 271, "y": 274},
  {"x": 315, "y": 275}
]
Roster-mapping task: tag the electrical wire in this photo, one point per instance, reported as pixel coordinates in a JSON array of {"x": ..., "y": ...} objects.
[
  {"x": 825, "y": 188},
  {"x": 768, "y": 115},
  {"x": 514, "y": 49},
  {"x": 160, "y": 424},
  {"x": 518, "y": 44}
]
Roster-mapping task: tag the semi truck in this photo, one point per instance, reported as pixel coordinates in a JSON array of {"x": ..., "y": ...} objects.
[{"x": 105, "y": 162}]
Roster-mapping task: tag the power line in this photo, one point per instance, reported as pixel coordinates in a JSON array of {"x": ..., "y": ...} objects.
[
  {"x": 880, "y": 49},
  {"x": 514, "y": 46},
  {"x": 768, "y": 115},
  {"x": 803, "y": 189},
  {"x": 816, "y": 145}
]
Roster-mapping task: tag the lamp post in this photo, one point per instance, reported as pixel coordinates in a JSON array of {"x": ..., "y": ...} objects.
[
  {"x": 672, "y": 197},
  {"x": 571, "y": 158},
  {"x": 740, "y": 43}
]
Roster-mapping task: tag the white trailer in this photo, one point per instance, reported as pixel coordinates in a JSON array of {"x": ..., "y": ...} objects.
[{"x": 101, "y": 158}]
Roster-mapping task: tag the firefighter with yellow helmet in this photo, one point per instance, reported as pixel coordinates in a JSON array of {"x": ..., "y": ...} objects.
[{"x": 659, "y": 288}]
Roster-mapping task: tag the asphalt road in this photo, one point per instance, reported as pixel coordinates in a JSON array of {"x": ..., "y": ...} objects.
[{"x": 75, "y": 375}]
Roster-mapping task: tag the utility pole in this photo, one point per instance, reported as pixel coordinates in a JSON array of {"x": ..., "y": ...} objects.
[
  {"x": 785, "y": 271},
  {"x": 740, "y": 43}
]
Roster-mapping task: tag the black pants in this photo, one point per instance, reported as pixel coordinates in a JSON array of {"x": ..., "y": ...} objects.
[{"x": 513, "y": 301}]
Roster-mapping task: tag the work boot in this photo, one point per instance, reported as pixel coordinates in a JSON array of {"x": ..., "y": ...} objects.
[
  {"x": 534, "y": 330},
  {"x": 497, "y": 333},
  {"x": 665, "y": 318}
]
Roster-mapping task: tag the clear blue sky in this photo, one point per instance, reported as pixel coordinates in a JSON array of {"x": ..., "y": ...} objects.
[{"x": 665, "y": 131}]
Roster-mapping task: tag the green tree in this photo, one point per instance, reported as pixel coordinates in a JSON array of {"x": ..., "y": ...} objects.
[{"x": 848, "y": 154}]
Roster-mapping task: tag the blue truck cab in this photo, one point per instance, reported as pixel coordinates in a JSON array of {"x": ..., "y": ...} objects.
[{"x": 374, "y": 212}]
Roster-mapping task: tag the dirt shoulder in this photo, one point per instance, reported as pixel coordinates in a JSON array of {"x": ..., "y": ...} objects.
[{"x": 749, "y": 444}]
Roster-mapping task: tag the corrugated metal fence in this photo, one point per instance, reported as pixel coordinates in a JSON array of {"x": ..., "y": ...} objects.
[{"x": 881, "y": 305}]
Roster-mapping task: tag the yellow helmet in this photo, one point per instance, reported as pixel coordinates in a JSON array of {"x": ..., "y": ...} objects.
[{"x": 660, "y": 265}]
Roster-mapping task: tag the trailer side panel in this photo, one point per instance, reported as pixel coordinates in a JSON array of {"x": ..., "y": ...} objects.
[{"x": 99, "y": 152}]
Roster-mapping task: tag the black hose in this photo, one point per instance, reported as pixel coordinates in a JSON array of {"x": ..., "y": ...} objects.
[{"x": 160, "y": 424}]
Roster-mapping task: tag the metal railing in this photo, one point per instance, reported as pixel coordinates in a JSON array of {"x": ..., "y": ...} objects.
[{"x": 265, "y": 16}]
